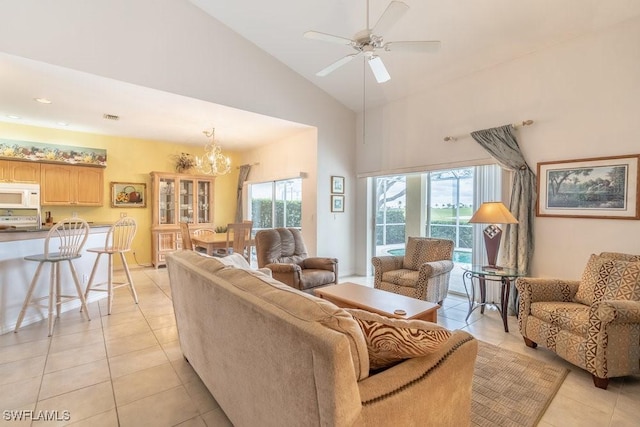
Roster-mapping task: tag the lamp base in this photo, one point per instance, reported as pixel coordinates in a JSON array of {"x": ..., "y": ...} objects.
[{"x": 492, "y": 236}]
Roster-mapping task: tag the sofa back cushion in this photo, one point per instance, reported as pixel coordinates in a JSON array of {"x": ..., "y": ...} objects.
[
  {"x": 304, "y": 307},
  {"x": 280, "y": 245},
  {"x": 610, "y": 276},
  {"x": 424, "y": 249},
  {"x": 624, "y": 281}
]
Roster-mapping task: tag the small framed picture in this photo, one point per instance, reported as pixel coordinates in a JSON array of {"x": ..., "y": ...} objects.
[
  {"x": 337, "y": 184},
  {"x": 337, "y": 203},
  {"x": 128, "y": 195}
]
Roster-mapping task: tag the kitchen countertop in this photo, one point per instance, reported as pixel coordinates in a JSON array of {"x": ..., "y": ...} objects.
[{"x": 27, "y": 233}]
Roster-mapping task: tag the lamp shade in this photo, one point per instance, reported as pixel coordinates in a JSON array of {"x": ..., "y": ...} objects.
[{"x": 493, "y": 213}]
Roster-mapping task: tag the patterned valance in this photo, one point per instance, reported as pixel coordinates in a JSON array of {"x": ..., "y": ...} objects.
[{"x": 40, "y": 152}]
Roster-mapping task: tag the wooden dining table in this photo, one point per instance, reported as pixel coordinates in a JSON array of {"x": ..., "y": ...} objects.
[{"x": 211, "y": 242}]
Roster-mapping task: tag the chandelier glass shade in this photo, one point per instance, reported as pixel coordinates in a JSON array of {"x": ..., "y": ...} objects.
[{"x": 213, "y": 162}]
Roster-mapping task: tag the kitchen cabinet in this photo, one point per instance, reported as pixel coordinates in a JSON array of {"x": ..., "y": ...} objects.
[
  {"x": 19, "y": 171},
  {"x": 64, "y": 185},
  {"x": 178, "y": 198}
]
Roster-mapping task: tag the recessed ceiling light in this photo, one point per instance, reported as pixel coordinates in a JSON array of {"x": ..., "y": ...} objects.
[
  {"x": 63, "y": 123},
  {"x": 13, "y": 116},
  {"x": 42, "y": 100}
]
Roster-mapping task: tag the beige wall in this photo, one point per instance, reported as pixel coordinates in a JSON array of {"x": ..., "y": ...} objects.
[
  {"x": 584, "y": 96},
  {"x": 128, "y": 160},
  {"x": 175, "y": 47}
]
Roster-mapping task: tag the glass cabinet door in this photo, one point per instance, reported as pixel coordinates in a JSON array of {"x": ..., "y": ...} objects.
[
  {"x": 166, "y": 201},
  {"x": 186, "y": 200},
  {"x": 204, "y": 206}
]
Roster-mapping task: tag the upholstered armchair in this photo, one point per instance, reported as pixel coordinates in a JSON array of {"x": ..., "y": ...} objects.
[
  {"x": 594, "y": 322},
  {"x": 282, "y": 251},
  {"x": 422, "y": 273}
]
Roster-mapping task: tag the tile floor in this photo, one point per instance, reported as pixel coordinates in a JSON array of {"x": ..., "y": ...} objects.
[{"x": 127, "y": 369}]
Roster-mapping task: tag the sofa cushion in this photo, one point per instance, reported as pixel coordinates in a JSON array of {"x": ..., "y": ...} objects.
[
  {"x": 304, "y": 307},
  {"x": 402, "y": 277},
  {"x": 423, "y": 249},
  {"x": 238, "y": 261},
  {"x": 623, "y": 282},
  {"x": 569, "y": 316},
  {"x": 390, "y": 341},
  {"x": 594, "y": 280}
]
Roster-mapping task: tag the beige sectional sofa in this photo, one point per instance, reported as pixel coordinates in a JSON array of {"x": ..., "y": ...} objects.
[{"x": 274, "y": 356}]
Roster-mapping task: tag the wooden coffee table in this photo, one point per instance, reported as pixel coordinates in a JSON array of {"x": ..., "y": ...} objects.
[{"x": 351, "y": 295}]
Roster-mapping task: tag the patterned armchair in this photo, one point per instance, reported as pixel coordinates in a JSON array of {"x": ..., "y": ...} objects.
[
  {"x": 422, "y": 273},
  {"x": 593, "y": 323}
]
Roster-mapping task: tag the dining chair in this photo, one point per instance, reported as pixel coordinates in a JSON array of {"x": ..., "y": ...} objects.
[
  {"x": 118, "y": 241},
  {"x": 239, "y": 238},
  {"x": 64, "y": 242},
  {"x": 187, "y": 244}
]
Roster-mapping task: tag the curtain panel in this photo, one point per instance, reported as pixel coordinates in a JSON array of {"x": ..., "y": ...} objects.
[
  {"x": 242, "y": 177},
  {"x": 501, "y": 143}
]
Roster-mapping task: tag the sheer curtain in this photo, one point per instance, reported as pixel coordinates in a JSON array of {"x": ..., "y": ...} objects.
[{"x": 487, "y": 187}]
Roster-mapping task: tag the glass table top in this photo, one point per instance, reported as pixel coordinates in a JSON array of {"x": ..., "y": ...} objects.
[{"x": 493, "y": 271}]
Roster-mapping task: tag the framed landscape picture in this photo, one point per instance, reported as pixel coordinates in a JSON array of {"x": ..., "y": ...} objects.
[
  {"x": 602, "y": 187},
  {"x": 128, "y": 195},
  {"x": 337, "y": 203}
]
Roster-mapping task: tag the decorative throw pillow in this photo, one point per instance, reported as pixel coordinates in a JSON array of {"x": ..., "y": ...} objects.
[
  {"x": 390, "y": 341},
  {"x": 423, "y": 249},
  {"x": 623, "y": 282},
  {"x": 594, "y": 280}
]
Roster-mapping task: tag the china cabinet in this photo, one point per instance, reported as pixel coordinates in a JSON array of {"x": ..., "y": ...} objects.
[{"x": 178, "y": 198}]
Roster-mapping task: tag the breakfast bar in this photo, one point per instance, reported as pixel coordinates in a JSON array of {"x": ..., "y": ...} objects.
[{"x": 16, "y": 273}]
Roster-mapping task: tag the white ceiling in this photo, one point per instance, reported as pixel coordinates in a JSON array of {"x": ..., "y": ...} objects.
[
  {"x": 474, "y": 34},
  {"x": 81, "y": 99}
]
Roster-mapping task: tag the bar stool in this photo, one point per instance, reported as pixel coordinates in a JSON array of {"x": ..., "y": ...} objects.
[
  {"x": 72, "y": 234},
  {"x": 118, "y": 241}
]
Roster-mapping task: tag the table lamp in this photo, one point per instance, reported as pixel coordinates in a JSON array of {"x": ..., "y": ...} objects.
[{"x": 493, "y": 213}]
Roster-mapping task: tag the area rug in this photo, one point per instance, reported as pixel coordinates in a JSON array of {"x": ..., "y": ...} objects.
[{"x": 511, "y": 389}]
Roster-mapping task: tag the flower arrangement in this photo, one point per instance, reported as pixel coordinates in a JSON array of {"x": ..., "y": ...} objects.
[
  {"x": 184, "y": 162},
  {"x": 220, "y": 229}
]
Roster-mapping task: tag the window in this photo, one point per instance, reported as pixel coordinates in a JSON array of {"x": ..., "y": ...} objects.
[{"x": 276, "y": 204}]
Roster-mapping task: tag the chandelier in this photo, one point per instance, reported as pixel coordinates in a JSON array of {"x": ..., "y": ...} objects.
[{"x": 213, "y": 162}]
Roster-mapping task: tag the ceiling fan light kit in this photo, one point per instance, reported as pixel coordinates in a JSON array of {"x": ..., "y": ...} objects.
[{"x": 367, "y": 41}]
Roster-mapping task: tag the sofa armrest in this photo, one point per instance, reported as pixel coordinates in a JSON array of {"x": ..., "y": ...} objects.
[
  {"x": 320, "y": 263},
  {"x": 387, "y": 263},
  {"x": 290, "y": 274},
  {"x": 436, "y": 268},
  {"x": 615, "y": 312},
  {"x": 539, "y": 289},
  {"x": 404, "y": 394}
]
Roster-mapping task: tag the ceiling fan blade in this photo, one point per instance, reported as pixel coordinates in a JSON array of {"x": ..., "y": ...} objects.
[
  {"x": 315, "y": 35},
  {"x": 389, "y": 17},
  {"x": 413, "y": 46},
  {"x": 339, "y": 63},
  {"x": 379, "y": 70}
]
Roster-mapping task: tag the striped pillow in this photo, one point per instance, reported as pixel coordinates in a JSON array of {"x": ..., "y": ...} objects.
[{"x": 390, "y": 341}]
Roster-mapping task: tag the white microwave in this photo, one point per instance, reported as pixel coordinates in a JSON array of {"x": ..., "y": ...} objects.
[{"x": 19, "y": 195}]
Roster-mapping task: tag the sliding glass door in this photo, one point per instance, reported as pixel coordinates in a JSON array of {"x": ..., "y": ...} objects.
[
  {"x": 275, "y": 204},
  {"x": 436, "y": 204}
]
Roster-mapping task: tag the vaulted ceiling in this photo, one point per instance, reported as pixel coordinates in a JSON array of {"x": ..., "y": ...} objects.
[{"x": 474, "y": 35}]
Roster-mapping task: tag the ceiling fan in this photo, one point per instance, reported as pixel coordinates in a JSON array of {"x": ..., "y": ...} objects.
[{"x": 369, "y": 40}]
